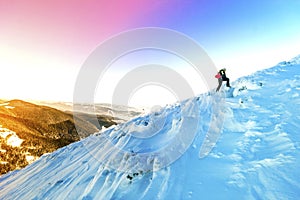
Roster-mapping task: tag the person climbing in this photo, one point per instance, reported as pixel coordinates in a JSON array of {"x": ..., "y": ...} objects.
[{"x": 221, "y": 76}]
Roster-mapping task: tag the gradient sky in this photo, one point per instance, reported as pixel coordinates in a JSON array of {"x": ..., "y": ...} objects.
[{"x": 43, "y": 44}]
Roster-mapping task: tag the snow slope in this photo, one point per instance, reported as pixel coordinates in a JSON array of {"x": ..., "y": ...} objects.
[{"x": 246, "y": 146}]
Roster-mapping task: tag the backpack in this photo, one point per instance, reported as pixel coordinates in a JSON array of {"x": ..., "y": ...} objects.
[{"x": 218, "y": 75}]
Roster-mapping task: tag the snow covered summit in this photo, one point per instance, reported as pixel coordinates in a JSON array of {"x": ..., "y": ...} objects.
[{"x": 246, "y": 146}]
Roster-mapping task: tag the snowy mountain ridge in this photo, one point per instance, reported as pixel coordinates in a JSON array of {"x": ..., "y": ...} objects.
[
  {"x": 293, "y": 61},
  {"x": 244, "y": 146}
]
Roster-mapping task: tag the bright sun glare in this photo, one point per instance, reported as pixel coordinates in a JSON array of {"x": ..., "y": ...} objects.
[{"x": 152, "y": 95}]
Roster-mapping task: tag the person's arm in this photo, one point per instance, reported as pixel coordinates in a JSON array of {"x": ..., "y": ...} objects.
[{"x": 222, "y": 72}]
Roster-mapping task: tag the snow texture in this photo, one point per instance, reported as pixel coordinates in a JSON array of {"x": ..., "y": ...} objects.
[{"x": 243, "y": 146}]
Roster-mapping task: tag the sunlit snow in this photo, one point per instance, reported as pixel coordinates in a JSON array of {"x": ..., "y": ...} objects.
[{"x": 11, "y": 137}]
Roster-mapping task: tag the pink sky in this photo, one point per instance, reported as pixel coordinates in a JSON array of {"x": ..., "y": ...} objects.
[{"x": 67, "y": 27}]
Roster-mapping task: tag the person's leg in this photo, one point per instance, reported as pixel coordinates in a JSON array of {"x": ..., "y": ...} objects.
[
  {"x": 220, "y": 84},
  {"x": 227, "y": 82}
]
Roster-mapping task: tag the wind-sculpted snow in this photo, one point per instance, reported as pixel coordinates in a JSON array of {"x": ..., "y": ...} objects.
[{"x": 246, "y": 146}]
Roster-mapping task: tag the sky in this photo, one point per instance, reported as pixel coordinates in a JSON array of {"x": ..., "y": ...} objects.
[{"x": 45, "y": 43}]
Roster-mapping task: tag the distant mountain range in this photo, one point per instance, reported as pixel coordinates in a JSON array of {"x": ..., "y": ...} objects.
[
  {"x": 118, "y": 112},
  {"x": 28, "y": 130}
]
